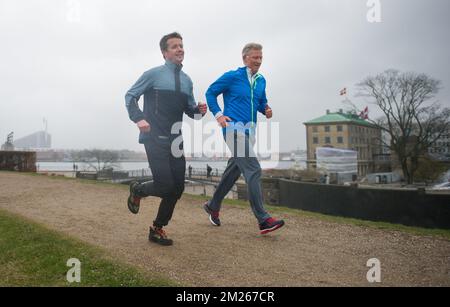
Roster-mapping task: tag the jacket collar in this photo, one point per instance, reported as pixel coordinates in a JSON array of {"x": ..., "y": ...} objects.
[
  {"x": 172, "y": 66},
  {"x": 244, "y": 71}
]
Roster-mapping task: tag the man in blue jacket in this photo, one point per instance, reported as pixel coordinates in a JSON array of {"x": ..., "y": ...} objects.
[
  {"x": 244, "y": 94},
  {"x": 167, "y": 94}
]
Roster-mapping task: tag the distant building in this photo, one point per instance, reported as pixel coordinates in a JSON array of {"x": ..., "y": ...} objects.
[
  {"x": 22, "y": 161},
  {"x": 344, "y": 131},
  {"x": 38, "y": 140},
  {"x": 9, "y": 144},
  {"x": 441, "y": 148}
]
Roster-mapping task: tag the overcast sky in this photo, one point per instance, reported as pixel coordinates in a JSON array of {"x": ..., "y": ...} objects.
[{"x": 74, "y": 67}]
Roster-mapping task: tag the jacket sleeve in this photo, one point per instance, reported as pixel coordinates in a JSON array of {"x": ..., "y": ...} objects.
[
  {"x": 192, "y": 108},
  {"x": 220, "y": 86},
  {"x": 144, "y": 83}
]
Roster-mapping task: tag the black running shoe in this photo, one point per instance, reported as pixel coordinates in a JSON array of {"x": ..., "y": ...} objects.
[
  {"x": 270, "y": 225},
  {"x": 158, "y": 235},
  {"x": 134, "y": 201},
  {"x": 213, "y": 215}
]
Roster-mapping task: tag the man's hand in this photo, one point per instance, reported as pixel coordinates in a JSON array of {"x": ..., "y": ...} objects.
[
  {"x": 268, "y": 112},
  {"x": 143, "y": 126},
  {"x": 203, "y": 108},
  {"x": 223, "y": 121}
]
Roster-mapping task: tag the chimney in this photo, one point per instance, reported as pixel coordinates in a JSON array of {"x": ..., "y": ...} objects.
[
  {"x": 328, "y": 111},
  {"x": 341, "y": 111}
]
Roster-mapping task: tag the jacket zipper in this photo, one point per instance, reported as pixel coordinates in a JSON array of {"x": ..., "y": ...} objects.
[
  {"x": 252, "y": 87},
  {"x": 156, "y": 102}
]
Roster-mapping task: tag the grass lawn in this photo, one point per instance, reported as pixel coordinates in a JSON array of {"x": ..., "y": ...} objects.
[{"x": 31, "y": 255}]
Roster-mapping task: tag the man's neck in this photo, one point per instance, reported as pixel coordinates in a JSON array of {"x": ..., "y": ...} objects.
[
  {"x": 173, "y": 64},
  {"x": 251, "y": 72}
]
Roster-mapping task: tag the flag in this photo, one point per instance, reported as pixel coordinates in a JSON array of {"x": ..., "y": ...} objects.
[
  {"x": 343, "y": 91},
  {"x": 364, "y": 113}
]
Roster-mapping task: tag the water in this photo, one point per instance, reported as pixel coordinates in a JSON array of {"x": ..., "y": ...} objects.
[
  {"x": 445, "y": 177},
  {"x": 129, "y": 166}
]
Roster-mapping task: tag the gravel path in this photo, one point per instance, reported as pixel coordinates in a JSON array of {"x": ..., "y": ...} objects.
[{"x": 306, "y": 252}]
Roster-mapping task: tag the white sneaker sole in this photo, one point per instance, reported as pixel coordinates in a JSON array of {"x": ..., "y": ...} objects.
[
  {"x": 266, "y": 231},
  {"x": 212, "y": 222}
]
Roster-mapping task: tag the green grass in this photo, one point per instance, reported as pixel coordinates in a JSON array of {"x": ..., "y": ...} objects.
[
  {"x": 440, "y": 233},
  {"x": 31, "y": 255}
]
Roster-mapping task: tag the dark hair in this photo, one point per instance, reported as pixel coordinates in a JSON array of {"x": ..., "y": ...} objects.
[{"x": 163, "y": 43}]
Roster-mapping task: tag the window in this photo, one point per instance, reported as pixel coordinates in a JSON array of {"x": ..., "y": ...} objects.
[
  {"x": 327, "y": 128},
  {"x": 340, "y": 139},
  {"x": 314, "y": 128},
  {"x": 327, "y": 140},
  {"x": 315, "y": 140},
  {"x": 339, "y": 128}
]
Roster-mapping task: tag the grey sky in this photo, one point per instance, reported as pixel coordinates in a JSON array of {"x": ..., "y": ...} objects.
[{"x": 76, "y": 74}]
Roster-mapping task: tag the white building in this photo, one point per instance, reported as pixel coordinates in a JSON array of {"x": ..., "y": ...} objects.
[
  {"x": 441, "y": 148},
  {"x": 38, "y": 140}
]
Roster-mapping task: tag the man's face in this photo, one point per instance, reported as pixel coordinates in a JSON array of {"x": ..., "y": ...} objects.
[
  {"x": 253, "y": 60},
  {"x": 175, "y": 51}
]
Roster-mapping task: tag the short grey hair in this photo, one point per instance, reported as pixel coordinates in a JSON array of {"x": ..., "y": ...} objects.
[{"x": 250, "y": 46}]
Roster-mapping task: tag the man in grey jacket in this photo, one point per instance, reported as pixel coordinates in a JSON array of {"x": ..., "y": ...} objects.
[{"x": 168, "y": 94}]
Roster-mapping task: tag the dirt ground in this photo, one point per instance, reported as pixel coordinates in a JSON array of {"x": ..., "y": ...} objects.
[{"x": 306, "y": 252}]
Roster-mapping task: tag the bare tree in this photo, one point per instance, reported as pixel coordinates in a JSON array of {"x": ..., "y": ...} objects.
[
  {"x": 97, "y": 158},
  {"x": 412, "y": 121}
]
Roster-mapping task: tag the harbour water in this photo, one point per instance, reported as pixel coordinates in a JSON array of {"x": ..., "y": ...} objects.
[{"x": 130, "y": 166}]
